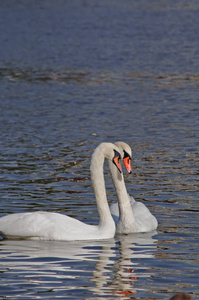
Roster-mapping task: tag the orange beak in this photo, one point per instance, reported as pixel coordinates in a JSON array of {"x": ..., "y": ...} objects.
[
  {"x": 127, "y": 163},
  {"x": 116, "y": 161}
]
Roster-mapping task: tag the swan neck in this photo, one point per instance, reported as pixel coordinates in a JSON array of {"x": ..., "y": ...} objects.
[
  {"x": 125, "y": 209},
  {"x": 97, "y": 178}
]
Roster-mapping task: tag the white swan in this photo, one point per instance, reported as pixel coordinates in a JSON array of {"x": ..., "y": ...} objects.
[
  {"x": 55, "y": 226},
  {"x": 130, "y": 216}
]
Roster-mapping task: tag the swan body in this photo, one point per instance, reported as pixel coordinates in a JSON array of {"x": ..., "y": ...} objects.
[
  {"x": 47, "y": 226},
  {"x": 54, "y": 226},
  {"x": 129, "y": 215},
  {"x": 143, "y": 220}
]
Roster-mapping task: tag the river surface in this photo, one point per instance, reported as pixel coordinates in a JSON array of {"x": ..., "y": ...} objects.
[{"x": 77, "y": 73}]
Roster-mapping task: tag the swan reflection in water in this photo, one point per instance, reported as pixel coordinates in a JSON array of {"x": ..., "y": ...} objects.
[
  {"x": 117, "y": 273},
  {"x": 107, "y": 267}
]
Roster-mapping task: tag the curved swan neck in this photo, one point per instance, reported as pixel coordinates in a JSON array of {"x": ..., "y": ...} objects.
[
  {"x": 126, "y": 219},
  {"x": 97, "y": 178}
]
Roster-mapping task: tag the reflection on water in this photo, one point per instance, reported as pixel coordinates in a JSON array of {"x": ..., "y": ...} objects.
[
  {"x": 157, "y": 81},
  {"x": 106, "y": 267}
]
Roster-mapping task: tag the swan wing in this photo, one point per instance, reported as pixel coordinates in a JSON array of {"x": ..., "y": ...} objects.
[
  {"x": 45, "y": 226},
  {"x": 144, "y": 220},
  {"x": 114, "y": 208}
]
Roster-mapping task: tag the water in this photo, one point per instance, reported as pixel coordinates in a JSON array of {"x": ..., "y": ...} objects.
[{"x": 74, "y": 74}]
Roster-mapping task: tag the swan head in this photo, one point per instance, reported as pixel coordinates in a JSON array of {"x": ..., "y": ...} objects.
[
  {"x": 126, "y": 154},
  {"x": 112, "y": 153}
]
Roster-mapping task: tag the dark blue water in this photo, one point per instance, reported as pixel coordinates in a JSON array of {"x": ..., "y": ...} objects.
[{"x": 74, "y": 74}]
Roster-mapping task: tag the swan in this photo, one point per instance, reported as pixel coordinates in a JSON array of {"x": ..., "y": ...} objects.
[
  {"x": 54, "y": 226},
  {"x": 131, "y": 216}
]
